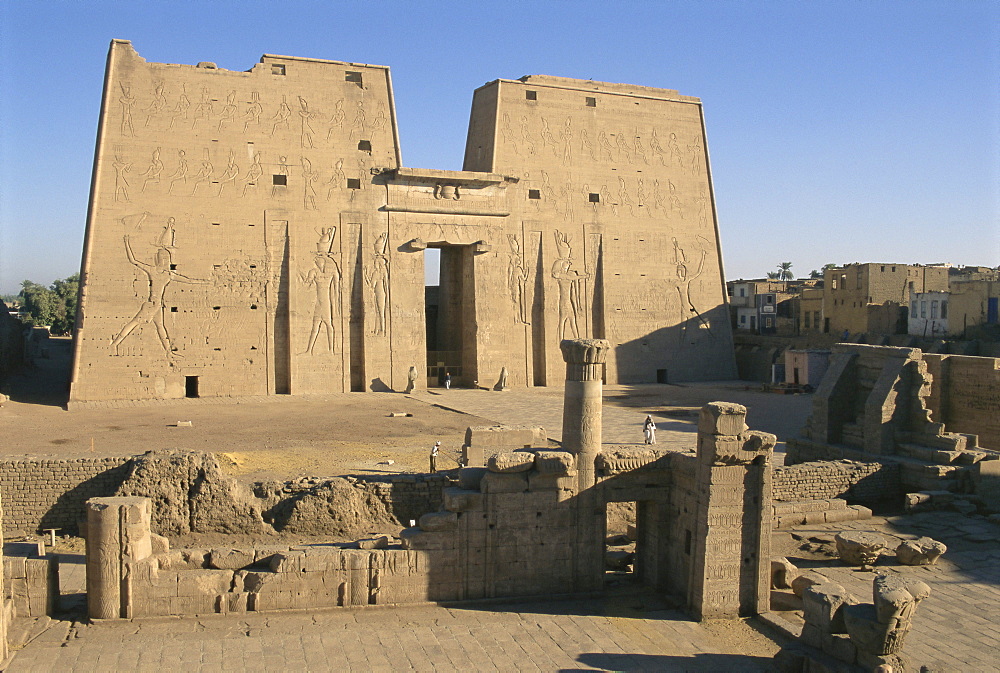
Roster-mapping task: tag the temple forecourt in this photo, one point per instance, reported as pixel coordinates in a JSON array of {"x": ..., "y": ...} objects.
[{"x": 257, "y": 232}]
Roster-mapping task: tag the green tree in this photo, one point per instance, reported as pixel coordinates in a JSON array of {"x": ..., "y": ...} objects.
[
  {"x": 772, "y": 275},
  {"x": 785, "y": 271},
  {"x": 52, "y": 306},
  {"x": 814, "y": 274}
]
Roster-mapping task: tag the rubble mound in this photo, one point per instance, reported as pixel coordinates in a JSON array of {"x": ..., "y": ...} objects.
[
  {"x": 190, "y": 493},
  {"x": 336, "y": 509}
]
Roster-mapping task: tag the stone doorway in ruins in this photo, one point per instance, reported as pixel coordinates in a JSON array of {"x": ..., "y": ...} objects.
[
  {"x": 624, "y": 545},
  {"x": 450, "y": 310}
]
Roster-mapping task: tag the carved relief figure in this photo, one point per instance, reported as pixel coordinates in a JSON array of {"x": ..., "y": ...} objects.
[
  {"x": 548, "y": 193},
  {"x": 228, "y": 113},
  {"x": 153, "y": 172},
  {"x": 338, "y": 180},
  {"x": 278, "y": 190},
  {"x": 309, "y": 177},
  {"x": 517, "y": 281},
  {"x": 449, "y": 192},
  {"x": 697, "y": 156},
  {"x": 181, "y": 109},
  {"x": 586, "y": 145},
  {"x": 378, "y": 280},
  {"x": 686, "y": 306},
  {"x": 567, "y": 139},
  {"x": 325, "y": 243},
  {"x": 203, "y": 110},
  {"x": 128, "y": 102},
  {"x": 306, "y": 136},
  {"x": 623, "y": 147},
  {"x": 570, "y": 295},
  {"x": 180, "y": 174},
  {"x": 253, "y": 112},
  {"x": 547, "y": 138},
  {"x": 253, "y": 174},
  {"x": 640, "y": 196},
  {"x": 324, "y": 277},
  {"x": 121, "y": 182},
  {"x": 623, "y": 198},
  {"x": 158, "y": 104},
  {"x": 229, "y": 176},
  {"x": 637, "y": 147},
  {"x": 702, "y": 211},
  {"x": 508, "y": 133},
  {"x": 380, "y": 118},
  {"x": 658, "y": 197},
  {"x": 526, "y": 136},
  {"x": 204, "y": 176},
  {"x": 358, "y": 129},
  {"x": 337, "y": 120},
  {"x": 675, "y": 201},
  {"x": 281, "y": 117},
  {"x": 159, "y": 276},
  {"x": 607, "y": 200},
  {"x": 656, "y": 148},
  {"x": 606, "y": 146},
  {"x": 675, "y": 151}
]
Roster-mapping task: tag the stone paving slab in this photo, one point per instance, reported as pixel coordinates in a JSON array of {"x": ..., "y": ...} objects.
[{"x": 564, "y": 635}]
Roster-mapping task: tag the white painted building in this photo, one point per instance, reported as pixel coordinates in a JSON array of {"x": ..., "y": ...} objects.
[{"x": 928, "y": 314}]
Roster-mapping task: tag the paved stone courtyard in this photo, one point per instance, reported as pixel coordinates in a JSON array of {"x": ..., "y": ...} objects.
[{"x": 621, "y": 633}]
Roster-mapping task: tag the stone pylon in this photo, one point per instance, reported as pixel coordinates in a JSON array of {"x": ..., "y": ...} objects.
[{"x": 581, "y": 432}]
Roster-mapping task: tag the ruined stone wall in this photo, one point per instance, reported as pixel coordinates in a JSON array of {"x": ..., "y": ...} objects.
[
  {"x": 50, "y": 493},
  {"x": 965, "y": 395},
  {"x": 851, "y": 480},
  {"x": 11, "y": 343}
]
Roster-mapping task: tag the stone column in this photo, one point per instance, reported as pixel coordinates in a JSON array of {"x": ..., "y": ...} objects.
[
  {"x": 581, "y": 432},
  {"x": 118, "y": 533}
]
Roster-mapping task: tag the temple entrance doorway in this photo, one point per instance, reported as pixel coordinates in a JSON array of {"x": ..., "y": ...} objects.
[{"x": 450, "y": 305}]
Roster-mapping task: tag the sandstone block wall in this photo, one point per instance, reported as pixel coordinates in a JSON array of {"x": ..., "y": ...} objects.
[
  {"x": 965, "y": 395},
  {"x": 861, "y": 482},
  {"x": 50, "y": 493},
  {"x": 30, "y": 582}
]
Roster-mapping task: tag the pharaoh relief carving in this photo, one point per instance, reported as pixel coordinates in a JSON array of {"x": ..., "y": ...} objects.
[
  {"x": 529, "y": 144},
  {"x": 158, "y": 104},
  {"x": 307, "y": 135},
  {"x": 336, "y": 122},
  {"x": 253, "y": 175},
  {"x": 229, "y": 110},
  {"x": 507, "y": 133},
  {"x": 586, "y": 146},
  {"x": 127, "y": 101},
  {"x": 181, "y": 109},
  {"x": 656, "y": 148},
  {"x": 517, "y": 281},
  {"x": 566, "y": 137},
  {"x": 309, "y": 177},
  {"x": 282, "y": 169},
  {"x": 153, "y": 171},
  {"x": 377, "y": 280},
  {"x": 687, "y": 311},
  {"x": 324, "y": 279},
  {"x": 122, "y": 168},
  {"x": 158, "y": 275},
  {"x": 568, "y": 281},
  {"x": 338, "y": 180},
  {"x": 229, "y": 175},
  {"x": 281, "y": 117},
  {"x": 253, "y": 112},
  {"x": 204, "y": 176},
  {"x": 359, "y": 125},
  {"x": 180, "y": 173},
  {"x": 204, "y": 108}
]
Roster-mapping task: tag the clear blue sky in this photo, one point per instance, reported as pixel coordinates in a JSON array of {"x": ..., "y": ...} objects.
[{"x": 838, "y": 131}]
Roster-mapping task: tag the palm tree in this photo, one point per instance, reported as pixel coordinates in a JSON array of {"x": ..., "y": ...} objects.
[
  {"x": 772, "y": 275},
  {"x": 785, "y": 271}
]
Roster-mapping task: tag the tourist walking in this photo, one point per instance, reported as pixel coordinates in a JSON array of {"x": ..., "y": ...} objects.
[
  {"x": 447, "y": 381},
  {"x": 649, "y": 430},
  {"x": 434, "y": 456}
]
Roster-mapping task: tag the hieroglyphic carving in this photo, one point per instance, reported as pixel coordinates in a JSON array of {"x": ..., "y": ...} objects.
[
  {"x": 658, "y": 203},
  {"x": 203, "y": 110},
  {"x": 377, "y": 279},
  {"x": 358, "y": 127},
  {"x": 281, "y": 117},
  {"x": 380, "y": 118},
  {"x": 687, "y": 310},
  {"x": 158, "y": 104},
  {"x": 637, "y": 147},
  {"x": 508, "y": 133},
  {"x": 587, "y": 146},
  {"x": 606, "y": 147},
  {"x": 127, "y": 101},
  {"x": 675, "y": 151},
  {"x": 547, "y": 138},
  {"x": 338, "y": 180},
  {"x": 526, "y": 136},
  {"x": 675, "y": 201},
  {"x": 153, "y": 172},
  {"x": 608, "y": 200},
  {"x": 307, "y": 134},
  {"x": 229, "y": 176},
  {"x": 337, "y": 120},
  {"x": 517, "y": 281},
  {"x": 182, "y": 107},
  {"x": 121, "y": 182},
  {"x": 309, "y": 177},
  {"x": 228, "y": 113},
  {"x": 325, "y": 278},
  {"x": 623, "y": 197},
  {"x": 566, "y": 136},
  {"x": 279, "y": 189},
  {"x": 568, "y": 280},
  {"x": 623, "y": 147},
  {"x": 204, "y": 176},
  {"x": 697, "y": 157},
  {"x": 253, "y": 112},
  {"x": 159, "y": 275},
  {"x": 656, "y": 148},
  {"x": 180, "y": 173},
  {"x": 254, "y": 174},
  {"x": 640, "y": 198}
]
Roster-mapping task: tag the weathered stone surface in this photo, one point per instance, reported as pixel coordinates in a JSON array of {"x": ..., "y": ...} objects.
[
  {"x": 435, "y": 522},
  {"x": 722, "y": 418},
  {"x": 469, "y": 478},
  {"x": 461, "y": 500},
  {"x": 230, "y": 559},
  {"x": 783, "y": 573},
  {"x": 558, "y": 463},
  {"x": 617, "y": 559},
  {"x": 419, "y": 539},
  {"x": 159, "y": 544},
  {"x": 494, "y": 482},
  {"x": 507, "y": 462},
  {"x": 860, "y": 548},
  {"x": 498, "y": 437},
  {"x": 380, "y": 542},
  {"x": 821, "y": 606},
  {"x": 804, "y": 581},
  {"x": 190, "y": 493},
  {"x": 880, "y": 628},
  {"x": 334, "y": 508},
  {"x": 920, "y": 552}
]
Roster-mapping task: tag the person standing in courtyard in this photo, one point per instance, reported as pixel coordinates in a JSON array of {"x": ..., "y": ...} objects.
[
  {"x": 447, "y": 381},
  {"x": 649, "y": 430},
  {"x": 434, "y": 456}
]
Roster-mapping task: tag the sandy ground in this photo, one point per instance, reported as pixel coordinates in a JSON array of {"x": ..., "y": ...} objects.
[{"x": 286, "y": 437}]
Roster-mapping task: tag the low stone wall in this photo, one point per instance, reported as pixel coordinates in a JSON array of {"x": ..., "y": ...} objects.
[
  {"x": 803, "y": 512},
  {"x": 862, "y": 482},
  {"x": 30, "y": 581},
  {"x": 43, "y": 493}
]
